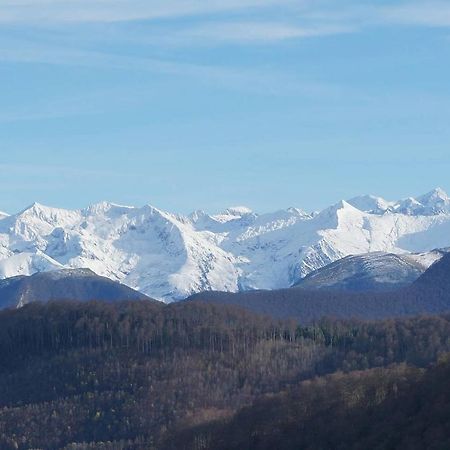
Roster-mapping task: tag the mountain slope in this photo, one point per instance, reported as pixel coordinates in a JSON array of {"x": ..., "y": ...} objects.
[
  {"x": 73, "y": 285},
  {"x": 399, "y": 407},
  {"x": 145, "y": 248},
  {"x": 375, "y": 271},
  {"x": 436, "y": 278},
  {"x": 430, "y": 294},
  {"x": 170, "y": 256}
]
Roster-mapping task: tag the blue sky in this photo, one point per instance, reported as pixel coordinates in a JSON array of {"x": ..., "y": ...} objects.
[{"x": 189, "y": 104}]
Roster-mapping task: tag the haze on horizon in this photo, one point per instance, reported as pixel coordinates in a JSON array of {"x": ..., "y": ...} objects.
[{"x": 188, "y": 105}]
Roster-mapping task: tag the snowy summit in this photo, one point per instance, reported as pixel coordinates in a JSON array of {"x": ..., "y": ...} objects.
[{"x": 170, "y": 256}]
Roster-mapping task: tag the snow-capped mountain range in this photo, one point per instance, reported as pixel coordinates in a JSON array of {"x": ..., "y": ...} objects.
[{"x": 169, "y": 256}]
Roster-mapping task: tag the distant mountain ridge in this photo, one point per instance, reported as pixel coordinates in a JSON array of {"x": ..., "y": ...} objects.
[
  {"x": 73, "y": 285},
  {"x": 377, "y": 271},
  {"x": 169, "y": 256},
  {"x": 429, "y": 294},
  {"x": 432, "y": 203}
]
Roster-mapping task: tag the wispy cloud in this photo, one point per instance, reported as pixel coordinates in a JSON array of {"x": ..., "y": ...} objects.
[
  {"x": 237, "y": 22},
  {"x": 424, "y": 13},
  {"x": 23, "y": 52},
  {"x": 254, "y": 32},
  {"x": 311, "y": 20},
  {"x": 317, "y": 17},
  {"x": 57, "y": 11},
  {"x": 82, "y": 104},
  {"x": 256, "y": 79}
]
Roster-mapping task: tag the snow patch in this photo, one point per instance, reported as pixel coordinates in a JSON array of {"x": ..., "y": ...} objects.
[{"x": 169, "y": 256}]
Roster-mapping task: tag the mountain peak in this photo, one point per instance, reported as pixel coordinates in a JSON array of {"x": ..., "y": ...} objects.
[
  {"x": 371, "y": 204},
  {"x": 40, "y": 212},
  {"x": 198, "y": 214},
  {"x": 154, "y": 211},
  {"x": 341, "y": 205},
  {"x": 432, "y": 203},
  {"x": 34, "y": 207},
  {"x": 171, "y": 256},
  {"x": 435, "y": 196},
  {"x": 104, "y": 207},
  {"x": 342, "y": 211},
  {"x": 440, "y": 192},
  {"x": 238, "y": 211},
  {"x": 66, "y": 273}
]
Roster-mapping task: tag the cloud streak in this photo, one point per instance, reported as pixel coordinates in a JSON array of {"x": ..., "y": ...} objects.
[
  {"x": 73, "y": 11},
  {"x": 254, "y": 32},
  {"x": 256, "y": 79},
  {"x": 20, "y": 52},
  {"x": 309, "y": 18},
  {"x": 428, "y": 14}
]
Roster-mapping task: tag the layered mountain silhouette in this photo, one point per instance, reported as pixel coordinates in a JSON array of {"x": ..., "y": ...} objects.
[
  {"x": 429, "y": 294},
  {"x": 377, "y": 271},
  {"x": 170, "y": 256},
  {"x": 74, "y": 285}
]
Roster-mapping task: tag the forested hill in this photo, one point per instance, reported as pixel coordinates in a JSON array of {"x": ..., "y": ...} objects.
[
  {"x": 139, "y": 375},
  {"x": 72, "y": 284},
  {"x": 430, "y": 294},
  {"x": 399, "y": 407}
]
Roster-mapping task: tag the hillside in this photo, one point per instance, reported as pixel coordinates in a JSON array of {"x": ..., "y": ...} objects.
[
  {"x": 74, "y": 285},
  {"x": 430, "y": 294},
  {"x": 142, "y": 375},
  {"x": 395, "y": 408},
  {"x": 377, "y": 271}
]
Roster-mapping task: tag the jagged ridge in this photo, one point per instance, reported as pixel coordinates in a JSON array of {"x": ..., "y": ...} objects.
[{"x": 170, "y": 256}]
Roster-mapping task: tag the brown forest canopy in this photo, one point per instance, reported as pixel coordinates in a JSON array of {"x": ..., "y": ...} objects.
[{"x": 141, "y": 375}]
